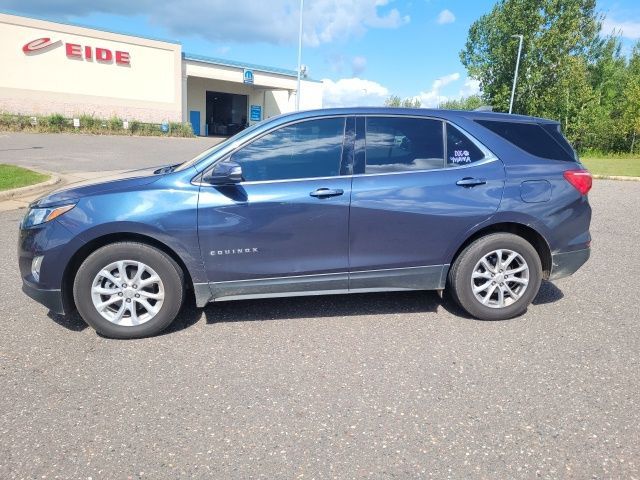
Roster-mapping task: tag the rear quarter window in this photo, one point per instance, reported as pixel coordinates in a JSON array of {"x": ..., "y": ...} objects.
[
  {"x": 553, "y": 129},
  {"x": 460, "y": 149},
  {"x": 530, "y": 137}
]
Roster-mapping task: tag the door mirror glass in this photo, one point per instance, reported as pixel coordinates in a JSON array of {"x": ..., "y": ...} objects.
[{"x": 224, "y": 173}]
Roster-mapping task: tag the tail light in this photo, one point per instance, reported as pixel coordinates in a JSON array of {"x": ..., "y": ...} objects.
[{"x": 580, "y": 179}]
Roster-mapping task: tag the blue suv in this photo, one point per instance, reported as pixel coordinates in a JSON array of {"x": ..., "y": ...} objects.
[{"x": 484, "y": 205}]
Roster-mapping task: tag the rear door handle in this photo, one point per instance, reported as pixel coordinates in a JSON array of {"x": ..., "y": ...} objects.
[
  {"x": 326, "y": 192},
  {"x": 471, "y": 182}
]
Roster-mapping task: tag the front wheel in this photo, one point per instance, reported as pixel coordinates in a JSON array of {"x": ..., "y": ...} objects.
[
  {"x": 496, "y": 277},
  {"x": 128, "y": 290}
]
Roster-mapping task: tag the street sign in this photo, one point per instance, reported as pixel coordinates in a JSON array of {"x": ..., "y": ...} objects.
[{"x": 255, "y": 113}]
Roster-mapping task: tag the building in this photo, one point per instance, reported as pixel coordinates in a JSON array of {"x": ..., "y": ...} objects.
[{"x": 50, "y": 67}]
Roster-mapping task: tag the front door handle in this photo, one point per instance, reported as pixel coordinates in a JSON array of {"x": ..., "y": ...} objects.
[
  {"x": 326, "y": 192},
  {"x": 471, "y": 182}
]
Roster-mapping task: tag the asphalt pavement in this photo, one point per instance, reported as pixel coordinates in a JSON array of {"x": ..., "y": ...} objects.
[
  {"x": 68, "y": 153},
  {"x": 398, "y": 385}
]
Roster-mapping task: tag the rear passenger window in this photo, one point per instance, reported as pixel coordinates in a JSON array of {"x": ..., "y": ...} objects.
[
  {"x": 396, "y": 144},
  {"x": 530, "y": 137},
  {"x": 460, "y": 149}
]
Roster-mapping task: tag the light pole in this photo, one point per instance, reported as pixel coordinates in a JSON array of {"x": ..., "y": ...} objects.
[
  {"x": 515, "y": 75},
  {"x": 299, "y": 57}
]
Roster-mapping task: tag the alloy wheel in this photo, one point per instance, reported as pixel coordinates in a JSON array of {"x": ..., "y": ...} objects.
[
  {"x": 500, "y": 278},
  {"x": 127, "y": 293}
]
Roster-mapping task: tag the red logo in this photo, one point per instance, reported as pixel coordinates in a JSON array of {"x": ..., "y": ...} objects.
[
  {"x": 37, "y": 44},
  {"x": 80, "y": 52}
]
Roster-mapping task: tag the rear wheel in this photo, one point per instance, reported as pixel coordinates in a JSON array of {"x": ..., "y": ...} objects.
[
  {"x": 128, "y": 290},
  {"x": 496, "y": 277}
]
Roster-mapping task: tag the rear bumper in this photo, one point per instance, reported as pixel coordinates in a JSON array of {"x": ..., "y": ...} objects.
[
  {"x": 52, "y": 299},
  {"x": 565, "y": 264}
]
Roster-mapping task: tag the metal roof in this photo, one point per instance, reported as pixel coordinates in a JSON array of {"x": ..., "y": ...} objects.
[{"x": 234, "y": 63}]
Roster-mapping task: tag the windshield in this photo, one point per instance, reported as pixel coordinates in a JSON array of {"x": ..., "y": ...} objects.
[{"x": 216, "y": 148}]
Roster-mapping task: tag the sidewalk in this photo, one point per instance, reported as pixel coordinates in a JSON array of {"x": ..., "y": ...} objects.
[{"x": 65, "y": 180}]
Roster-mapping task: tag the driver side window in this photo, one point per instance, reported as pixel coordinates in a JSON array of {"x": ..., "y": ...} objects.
[{"x": 306, "y": 149}]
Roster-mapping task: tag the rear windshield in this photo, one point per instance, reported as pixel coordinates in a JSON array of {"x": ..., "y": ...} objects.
[{"x": 533, "y": 138}]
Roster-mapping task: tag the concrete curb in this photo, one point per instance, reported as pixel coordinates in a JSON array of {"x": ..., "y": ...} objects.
[
  {"x": 617, "y": 177},
  {"x": 41, "y": 187}
]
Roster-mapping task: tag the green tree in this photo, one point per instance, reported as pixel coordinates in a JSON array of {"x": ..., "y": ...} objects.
[
  {"x": 395, "y": 101},
  {"x": 554, "y": 32},
  {"x": 608, "y": 73},
  {"x": 568, "y": 71},
  {"x": 631, "y": 106},
  {"x": 465, "y": 103}
]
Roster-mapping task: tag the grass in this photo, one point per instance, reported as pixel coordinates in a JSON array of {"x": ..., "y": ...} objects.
[
  {"x": 14, "y": 177},
  {"x": 626, "y": 166}
]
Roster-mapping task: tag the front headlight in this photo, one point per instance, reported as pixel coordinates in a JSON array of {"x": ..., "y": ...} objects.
[{"x": 36, "y": 216}]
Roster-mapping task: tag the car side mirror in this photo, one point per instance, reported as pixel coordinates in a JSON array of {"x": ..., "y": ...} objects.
[{"x": 224, "y": 173}]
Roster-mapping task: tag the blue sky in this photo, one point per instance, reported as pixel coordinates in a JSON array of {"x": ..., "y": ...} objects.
[{"x": 364, "y": 49}]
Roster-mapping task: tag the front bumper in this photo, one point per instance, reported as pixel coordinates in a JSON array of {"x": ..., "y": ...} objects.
[
  {"x": 52, "y": 299},
  {"x": 568, "y": 263}
]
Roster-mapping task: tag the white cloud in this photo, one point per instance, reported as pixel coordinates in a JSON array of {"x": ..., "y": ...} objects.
[
  {"x": 353, "y": 92},
  {"x": 434, "y": 97},
  {"x": 446, "y": 16},
  {"x": 445, "y": 80},
  {"x": 470, "y": 87},
  {"x": 223, "y": 50},
  {"x": 627, "y": 28},
  {"x": 275, "y": 21},
  {"x": 329, "y": 20},
  {"x": 358, "y": 64}
]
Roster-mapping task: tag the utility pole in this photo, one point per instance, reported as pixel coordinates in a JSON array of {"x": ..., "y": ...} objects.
[
  {"x": 515, "y": 75},
  {"x": 299, "y": 57}
]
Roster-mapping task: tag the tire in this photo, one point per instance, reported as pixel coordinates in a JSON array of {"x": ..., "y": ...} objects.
[
  {"x": 135, "y": 311},
  {"x": 461, "y": 280}
]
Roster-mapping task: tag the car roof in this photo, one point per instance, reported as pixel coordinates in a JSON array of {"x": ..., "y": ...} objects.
[{"x": 421, "y": 112}]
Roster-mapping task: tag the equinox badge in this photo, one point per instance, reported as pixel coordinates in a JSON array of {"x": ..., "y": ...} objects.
[{"x": 233, "y": 251}]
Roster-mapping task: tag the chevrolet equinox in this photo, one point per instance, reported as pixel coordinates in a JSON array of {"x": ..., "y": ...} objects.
[{"x": 482, "y": 204}]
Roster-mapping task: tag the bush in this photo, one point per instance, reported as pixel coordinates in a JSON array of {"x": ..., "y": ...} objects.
[
  {"x": 134, "y": 126},
  {"x": 149, "y": 129},
  {"x": 53, "y": 123},
  {"x": 12, "y": 122},
  {"x": 115, "y": 124},
  {"x": 177, "y": 129},
  {"x": 89, "y": 124}
]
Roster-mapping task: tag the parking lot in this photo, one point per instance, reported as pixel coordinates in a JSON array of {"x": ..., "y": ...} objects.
[
  {"x": 67, "y": 153},
  {"x": 397, "y": 385}
]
